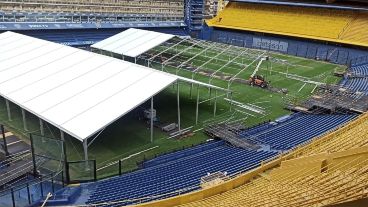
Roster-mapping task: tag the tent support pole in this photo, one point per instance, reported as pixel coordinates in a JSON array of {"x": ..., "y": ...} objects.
[
  {"x": 24, "y": 120},
  {"x": 215, "y": 105},
  {"x": 191, "y": 88},
  {"x": 178, "y": 100},
  {"x": 62, "y": 136},
  {"x": 41, "y": 128},
  {"x": 152, "y": 119},
  {"x": 231, "y": 101},
  {"x": 85, "y": 149},
  {"x": 210, "y": 92},
  {"x": 197, "y": 106},
  {"x": 4, "y": 140},
  {"x": 8, "y": 109}
]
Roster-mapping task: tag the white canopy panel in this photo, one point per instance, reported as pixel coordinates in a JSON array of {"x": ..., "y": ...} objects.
[
  {"x": 77, "y": 91},
  {"x": 132, "y": 42}
]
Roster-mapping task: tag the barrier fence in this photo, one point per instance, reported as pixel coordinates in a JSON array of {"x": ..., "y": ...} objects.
[
  {"x": 30, "y": 189},
  {"x": 47, "y": 171}
]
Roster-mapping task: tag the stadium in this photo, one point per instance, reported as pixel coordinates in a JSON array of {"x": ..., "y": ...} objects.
[{"x": 152, "y": 103}]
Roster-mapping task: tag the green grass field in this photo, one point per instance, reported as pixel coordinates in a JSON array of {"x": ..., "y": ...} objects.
[{"x": 130, "y": 135}]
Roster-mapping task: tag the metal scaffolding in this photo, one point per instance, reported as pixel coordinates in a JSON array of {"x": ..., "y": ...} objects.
[{"x": 190, "y": 57}]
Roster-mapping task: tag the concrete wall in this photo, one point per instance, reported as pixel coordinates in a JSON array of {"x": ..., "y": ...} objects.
[{"x": 341, "y": 54}]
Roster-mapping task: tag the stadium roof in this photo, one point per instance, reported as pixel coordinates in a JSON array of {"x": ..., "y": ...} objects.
[
  {"x": 79, "y": 92},
  {"x": 132, "y": 42}
]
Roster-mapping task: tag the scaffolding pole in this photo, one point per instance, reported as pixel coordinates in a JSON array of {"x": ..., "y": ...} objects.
[
  {"x": 24, "y": 120},
  {"x": 178, "y": 43},
  {"x": 85, "y": 149},
  {"x": 4, "y": 140},
  {"x": 215, "y": 104},
  {"x": 8, "y": 109},
  {"x": 191, "y": 88},
  {"x": 42, "y": 128},
  {"x": 152, "y": 119},
  {"x": 197, "y": 106},
  {"x": 231, "y": 101},
  {"x": 178, "y": 100},
  {"x": 62, "y": 136}
]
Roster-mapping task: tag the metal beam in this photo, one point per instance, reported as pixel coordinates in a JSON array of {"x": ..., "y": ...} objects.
[
  {"x": 85, "y": 149},
  {"x": 208, "y": 61},
  {"x": 232, "y": 79},
  {"x": 221, "y": 49},
  {"x": 177, "y": 54},
  {"x": 196, "y": 55},
  {"x": 24, "y": 120},
  {"x": 178, "y": 43},
  {"x": 229, "y": 62},
  {"x": 151, "y": 119},
  {"x": 212, "y": 98},
  {"x": 42, "y": 128},
  {"x": 178, "y": 101},
  {"x": 215, "y": 104},
  {"x": 213, "y": 57},
  {"x": 62, "y": 136},
  {"x": 4, "y": 140},
  {"x": 231, "y": 101},
  {"x": 8, "y": 109},
  {"x": 197, "y": 106}
]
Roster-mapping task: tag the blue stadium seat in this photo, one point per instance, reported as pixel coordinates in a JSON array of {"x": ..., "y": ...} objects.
[
  {"x": 297, "y": 130},
  {"x": 181, "y": 173},
  {"x": 183, "y": 169},
  {"x": 361, "y": 70},
  {"x": 357, "y": 84}
]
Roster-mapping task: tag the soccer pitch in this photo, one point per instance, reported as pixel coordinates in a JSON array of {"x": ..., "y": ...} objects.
[{"x": 218, "y": 64}]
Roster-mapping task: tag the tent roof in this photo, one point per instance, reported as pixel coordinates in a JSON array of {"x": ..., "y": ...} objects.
[
  {"x": 132, "y": 42},
  {"x": 77, "y": 91}
]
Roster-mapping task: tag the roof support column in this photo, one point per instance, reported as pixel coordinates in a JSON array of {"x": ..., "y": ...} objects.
[
  {"x": 42, "y": 128},
  {"x": 191, "y": 88},
  {"x": 24, "y": 120},
  {"x": 210, "y": 92},
  {"x": 215, "y": 104},
  {"x": 152, "y": 119},
  {"x": 178, "y": 100},
  {"x": 197, "y": 106},
  {"x": 62, "y": 137},
  {"x": 85, "y": 149},
  {"x": 231, "y": 100},
  {"x": 4, "y": 140},
  {"x": 135, "y": 60},
  {"x": 8, "y": 109}
]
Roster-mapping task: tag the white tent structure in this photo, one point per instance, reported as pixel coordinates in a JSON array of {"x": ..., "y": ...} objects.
[
  {"x": 132, "y": 42},
  {"x": 77, "y": 91}
]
